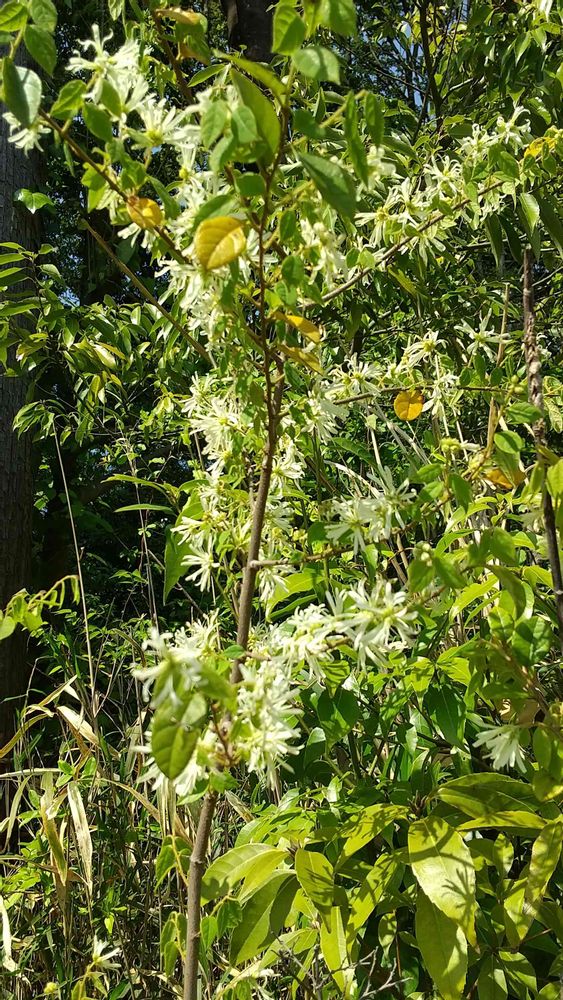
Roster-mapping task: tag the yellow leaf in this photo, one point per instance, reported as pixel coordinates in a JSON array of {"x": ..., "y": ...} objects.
[
  {"x": 301, "y": 357},
  {"x": 219, "y": 241},
  {"x": 408, "y": 404},
  {"x": 144, "y": 212},
  {"x": 498, "y": 478},
  {"x": 305, "y": 327},
  {"x": 189, "y": 17}
]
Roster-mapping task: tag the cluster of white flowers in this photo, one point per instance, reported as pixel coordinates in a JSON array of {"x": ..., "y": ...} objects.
[
  {"x": 375, "y": 623},
  {"x": 173, "y": 653},
  {"x": 369, "y": 519},
  {"x": 264, "y": 736},
  {"x": 503, "y": 744}
]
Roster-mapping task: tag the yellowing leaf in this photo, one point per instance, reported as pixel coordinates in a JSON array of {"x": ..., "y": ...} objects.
[
  {"x": 498, "y": 478},
  {"x": 144, "y": 212},
  {"x": 301, "y": 357},
  {"x": 190, "y": 17},
  {"x": 305, "y": 327},
  {"x": 408, "y": 404},
  {"x": 219, "y": 241}
]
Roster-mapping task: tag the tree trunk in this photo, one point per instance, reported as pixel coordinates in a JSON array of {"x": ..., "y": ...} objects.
[
  {"x": 249, "y": 24},
  {"x": 16, "y": 466}
]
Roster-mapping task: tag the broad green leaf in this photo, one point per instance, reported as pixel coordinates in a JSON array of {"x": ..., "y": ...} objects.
[
  {"x": 41, "y": 46},
  {"x": 257, "y": 71},
  {"x": 289, "y": 28},
  {"x": 44, "y": 14},
  {"x": 174, "y": 734},
  {"x": 13, "y": 16},
  {"x": 334, "y": 182},
  {"x": 98, "y": 122},
  {"x": 316, "y": 877},
  {"x": 263, "y": 917},
  {"x": 555, "y": 480},
  {"x": 333, "y": 948},
  {"x": 263, "y": 110},
  {"x": 374, "y": 113},
  {"x": 491, "y": 983},
  {"x": 370, "y": 822},
  {"x": 317, "y": 63},
  {"x": 22, "y": 92},
  {"x": 244, "y": 127},
  {"x": 354, "y": 141},
  {"x": 365, "y": 898},
  {"x": 443, "y": 948},
  {"x": 214, "y": 121},
  {"x": 219, "y": 241},
  {"x": 69, "y": 100},
  {"x": 531, "y": 211},
  {"x": 546, "y": 851},
  {"x": 552, "y": 222},
  {"x": 339, "y": 16},
  {"x": 232, "y": 867},
  {"x": 444, "y": 869}
]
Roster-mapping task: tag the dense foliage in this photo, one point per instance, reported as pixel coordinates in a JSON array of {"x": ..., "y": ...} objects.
[{"x": 295, "y": 727}]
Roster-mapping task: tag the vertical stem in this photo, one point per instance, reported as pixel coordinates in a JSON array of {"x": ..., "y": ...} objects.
[
  {"x": 195, "y": 877},
  {"x": 535, "y": 393}
]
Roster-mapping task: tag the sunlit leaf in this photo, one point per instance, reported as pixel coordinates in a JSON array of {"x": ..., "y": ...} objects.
[
  {"x": 219, "y": 241},
  {"x": 408, "y": 404}
]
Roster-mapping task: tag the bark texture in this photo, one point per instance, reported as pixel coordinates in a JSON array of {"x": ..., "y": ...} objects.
[
  {"x": 249, "y": 23},
  {"x": 16, "y": 465}
]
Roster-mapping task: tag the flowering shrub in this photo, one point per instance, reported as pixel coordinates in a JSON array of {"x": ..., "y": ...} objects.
[{"x": 368, "y": 667}]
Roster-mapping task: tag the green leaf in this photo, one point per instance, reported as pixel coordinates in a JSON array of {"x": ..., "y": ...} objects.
[
  {"x": 493, "y": 229},
  {"x": 339, "y": 16},
  {"x": 365, "y": 898},
  {"x": 289, "y": 29},
  {"x": 33, "y": 200},
  {"x": 491, "y": 984},
  {"x": 259, "y": 72},
  {"x": 522, "y": 413},
  {"x": 509, "y": 441},
  {"x": 532, "y": 641},
  {"x": 369, "y": 824},
  {"x": 244, "y": 127},
  {"x": 443, "y": 948},
  {"x": 234, "y": 866},
  {"x": 317, "y": 63},
  {"x": 69, "y": 100},
  {"x": 374, "y": 112},
  {"x": 448, "y": 710},
  {"x": 444, "y": 869},
  {"x": 555, "y": 479},
  {"x": 552, "y": 223},
  {"x": 13, "y": 16},
  {"x": 263, "y": 917},
  {"x": 316, "y": 878},
  {"x": 213, "y": 122},
  {"x": 546, "y": 851},
  {"x": 98, "y": 122},
  {"x": 22, "y": 92},
  {"x": 44, "y": 13},
  {"x": 334, "y": 183},
  {"x": 173, "y": 736},
  {"x": 264, "y": 112},
  {"x": 333, "y": 948},
  {"x": 174, "y": 855},
  {"x": 530, "y": 211},
  {"x": 40, "y": 45},
  {"x": 354, "y": 142}
]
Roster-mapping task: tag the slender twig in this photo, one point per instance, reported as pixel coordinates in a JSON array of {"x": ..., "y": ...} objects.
[
  {"x": 535, "y": 391},
  {"x": 145, "y": 292}
]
